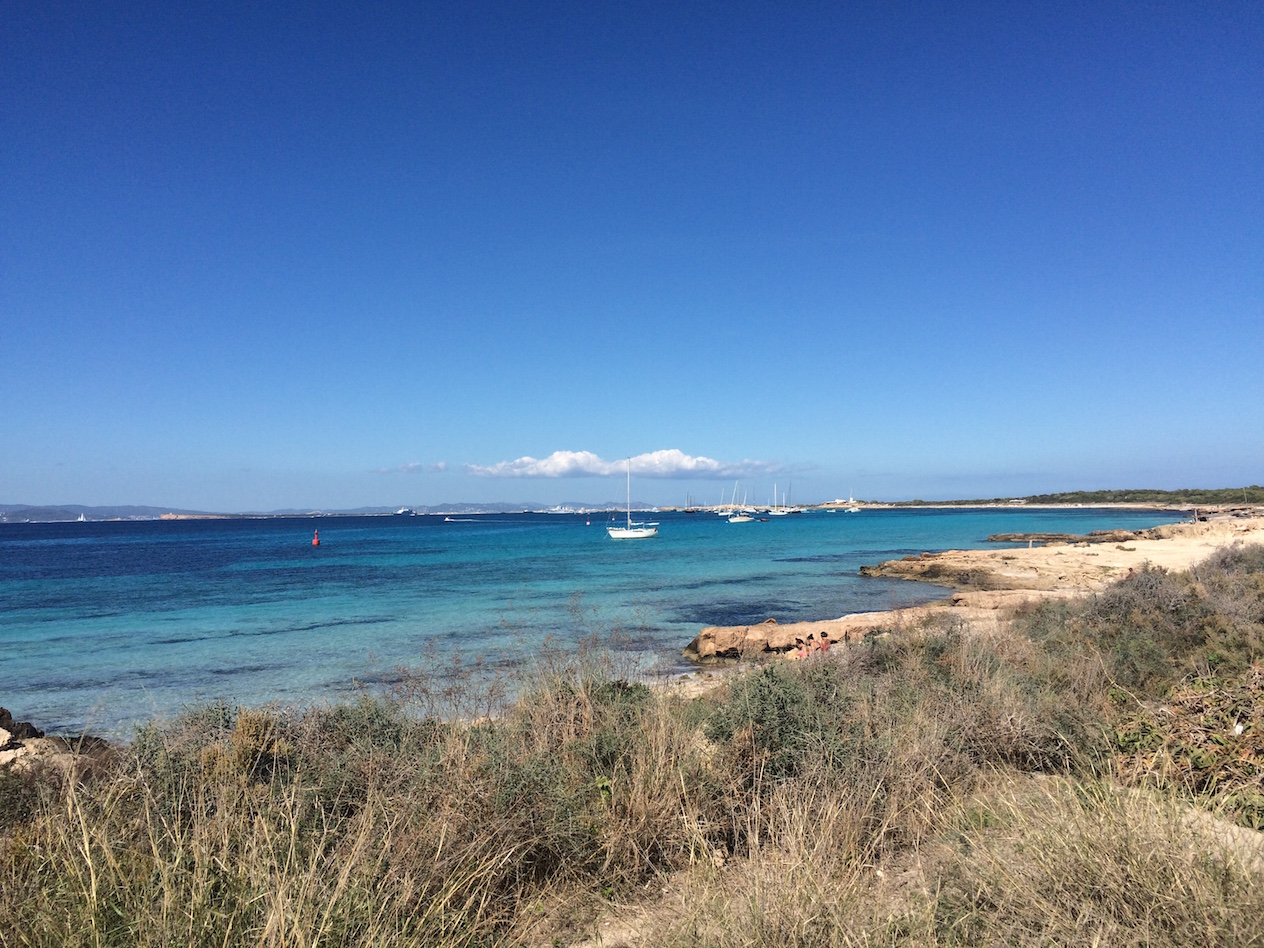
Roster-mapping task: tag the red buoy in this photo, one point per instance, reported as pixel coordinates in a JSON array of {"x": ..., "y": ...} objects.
[{"x": 316, "y": 538}]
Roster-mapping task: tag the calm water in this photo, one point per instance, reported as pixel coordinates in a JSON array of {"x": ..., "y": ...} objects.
[{"x": 106, "y": 624}]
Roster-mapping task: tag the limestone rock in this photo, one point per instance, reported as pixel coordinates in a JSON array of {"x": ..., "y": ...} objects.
[
  {"x": 23, "y": 745},
  {"x": 69, "y": 755},
  {"x": 719, "y": 642}
]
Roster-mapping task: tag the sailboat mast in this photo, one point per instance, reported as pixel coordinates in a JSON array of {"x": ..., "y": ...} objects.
[{"x": 629, "y": 493}]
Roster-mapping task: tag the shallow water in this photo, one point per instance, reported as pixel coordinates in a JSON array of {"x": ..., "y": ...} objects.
[{"x": 103, "y": 625}]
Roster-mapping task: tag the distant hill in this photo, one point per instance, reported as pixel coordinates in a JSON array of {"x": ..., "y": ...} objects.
[
  {"x": 379, "y": 511},
  {"x": 461, "y": 508},
  {"x": 20, "y": 513}
]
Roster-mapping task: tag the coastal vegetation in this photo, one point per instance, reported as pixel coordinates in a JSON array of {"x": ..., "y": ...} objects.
[
  {"x": 1203, "y": 497},
  {"x": 1090, "y": 773},
  {"x": 1196, "y": 496}
]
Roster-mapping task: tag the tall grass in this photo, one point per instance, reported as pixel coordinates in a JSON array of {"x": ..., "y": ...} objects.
[
  {"x": 362, "y": 823},
  {"x": 849, "y": 799},
  {"x": 1089, "y": 864}
]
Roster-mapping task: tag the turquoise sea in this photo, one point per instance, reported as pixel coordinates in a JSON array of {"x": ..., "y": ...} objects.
[{"x": 106, "y": 624}]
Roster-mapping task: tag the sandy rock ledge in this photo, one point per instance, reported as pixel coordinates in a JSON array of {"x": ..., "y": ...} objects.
[{"x": 985, "y": 587}]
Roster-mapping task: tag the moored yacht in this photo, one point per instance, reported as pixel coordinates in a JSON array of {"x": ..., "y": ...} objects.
[{"x": 637, "y": 530}]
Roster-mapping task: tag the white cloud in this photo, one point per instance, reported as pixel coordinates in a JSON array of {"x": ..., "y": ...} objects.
[{"x": 665, "y": 464}]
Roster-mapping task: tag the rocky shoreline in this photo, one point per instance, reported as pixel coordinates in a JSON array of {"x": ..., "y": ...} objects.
[
  {"x": 986, "y": 586},
  {"x": 24, "y": 746}
]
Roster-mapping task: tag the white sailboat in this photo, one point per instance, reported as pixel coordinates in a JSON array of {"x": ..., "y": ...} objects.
[
  {"x": 634, "y": 530},
  {"x": 777, "y": 510},
  {"x": 730, "y": 509}
]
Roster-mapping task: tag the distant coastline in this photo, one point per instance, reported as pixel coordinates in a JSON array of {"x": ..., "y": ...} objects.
[{"x": 1133, "y": 499}]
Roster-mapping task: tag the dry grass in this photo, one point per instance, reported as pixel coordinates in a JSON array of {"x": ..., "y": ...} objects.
[
  {"x": 1087, "y": 864},
  {"x": 361, "y": 824},
  {"x": 882, "y": 795},
  {"x": 1205, "y": 739},
  {"x": 1025, "y": 861}
]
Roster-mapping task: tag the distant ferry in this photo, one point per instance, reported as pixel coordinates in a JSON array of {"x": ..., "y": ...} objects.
[{"x": 405, "y": 512}]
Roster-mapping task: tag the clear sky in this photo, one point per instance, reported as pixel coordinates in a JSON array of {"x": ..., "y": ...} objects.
[{"x": 256, "y": 256}]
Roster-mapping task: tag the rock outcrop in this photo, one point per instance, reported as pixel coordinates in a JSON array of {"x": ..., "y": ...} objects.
[
  {"x": 23, "y": 745},
  {"x": 18, "y": 730},
  {"x": 1094, "y": 536},
  {"x": 722, "y": 642}
]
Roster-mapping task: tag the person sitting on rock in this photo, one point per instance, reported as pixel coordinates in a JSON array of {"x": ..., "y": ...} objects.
[
  {"x": 800, "y": 650},
  {"x": 824, "y": 645}
]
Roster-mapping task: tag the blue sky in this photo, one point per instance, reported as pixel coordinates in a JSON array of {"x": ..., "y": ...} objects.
[{"x": 262, "y": 256}]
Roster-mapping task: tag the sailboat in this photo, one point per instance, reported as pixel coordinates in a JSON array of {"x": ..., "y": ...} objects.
[
  {"x": 633, "y": 531},
  {"x": 777, "y": 510},
  {"x": 731, "y": 508}
]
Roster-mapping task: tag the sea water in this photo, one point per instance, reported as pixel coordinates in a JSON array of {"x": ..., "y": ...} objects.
[{"x": 103, "y": 625}]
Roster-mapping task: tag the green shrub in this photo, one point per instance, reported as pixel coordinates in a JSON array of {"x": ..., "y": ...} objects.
[
  {"x": 1154, "y": 628},
  {"x": 790, "y": 715}
]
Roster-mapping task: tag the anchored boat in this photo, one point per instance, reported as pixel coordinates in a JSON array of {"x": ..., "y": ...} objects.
[{"x": 635, "y": 530}]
